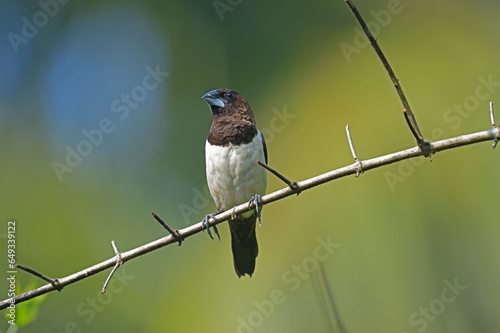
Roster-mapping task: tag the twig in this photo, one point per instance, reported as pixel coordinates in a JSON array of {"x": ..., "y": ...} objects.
[
  {"x": 118, "y": 263},
  {"x": 409, "y": 116},
  {"x": 174, "y": 233},
  {"x": 53, "y": 282},
  {"x": 328, "y": 297},
  {"x": 373, "y": 163},
  {"x": 492, "y": 116},
  {"x": 415, "y": 133},
  {"x": 351, "y": 145},
  {"x": 293, "y": 185}
]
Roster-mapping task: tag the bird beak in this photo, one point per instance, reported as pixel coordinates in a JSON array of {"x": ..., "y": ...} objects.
[{"x": 213, "y": 98}]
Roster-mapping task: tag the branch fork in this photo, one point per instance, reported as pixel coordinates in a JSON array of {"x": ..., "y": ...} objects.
[
  {"x": 175, "y": 233},
  {"x": 294, "y": 186},
  {"x": 54, "y": 282},
  {"x": 119, "y": 262},
  {"x": 424, "y": 145}
]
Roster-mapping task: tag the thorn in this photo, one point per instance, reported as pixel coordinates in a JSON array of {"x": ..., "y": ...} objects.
[
  {"x": 175, "y": 233},
  {"x": 412, "y": 128},
  {"x": 350, "y": 143},
  {"x": 54, "y": 282},
  {"x": 294, "y": 186},
  {"x": 492, "y": 116},
  {"x": 113, "y": 244},
  {"x": 359, "y": 168},
  {"x": 119, "y": 262}
]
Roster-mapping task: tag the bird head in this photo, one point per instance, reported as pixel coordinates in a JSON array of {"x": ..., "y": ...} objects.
[{"x": 229, "y": 103}]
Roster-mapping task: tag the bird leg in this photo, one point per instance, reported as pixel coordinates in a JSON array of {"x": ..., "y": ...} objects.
[
  {"x": 257, "y": 200},
  {"x": 205, "y": 225}
]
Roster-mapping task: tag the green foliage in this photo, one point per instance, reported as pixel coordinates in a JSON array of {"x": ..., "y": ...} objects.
[{"x": 26, "y": 312}]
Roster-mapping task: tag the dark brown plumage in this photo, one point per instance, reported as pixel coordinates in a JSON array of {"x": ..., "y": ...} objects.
[{"x": 234, "y": 123}]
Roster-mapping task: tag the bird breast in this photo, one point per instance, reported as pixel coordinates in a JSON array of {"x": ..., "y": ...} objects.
[{"x": 233, "y": 174}]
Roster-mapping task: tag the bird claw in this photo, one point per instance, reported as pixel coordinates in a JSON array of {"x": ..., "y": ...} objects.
[
  {"x": 205, "y": 225},
  {"x": 257, "y": 200}
]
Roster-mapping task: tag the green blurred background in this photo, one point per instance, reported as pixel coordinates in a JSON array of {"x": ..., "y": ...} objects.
[{"x": 400, "y": 244}]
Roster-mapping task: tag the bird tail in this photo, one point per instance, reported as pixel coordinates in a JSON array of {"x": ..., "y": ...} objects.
[{"x": 244, "y": 244}]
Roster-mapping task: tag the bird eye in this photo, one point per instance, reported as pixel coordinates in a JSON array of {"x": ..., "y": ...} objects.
[{"x": 229, "y": 94}]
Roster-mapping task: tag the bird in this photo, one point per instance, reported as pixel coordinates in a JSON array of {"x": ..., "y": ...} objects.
[{"x": 232, "y": 149}]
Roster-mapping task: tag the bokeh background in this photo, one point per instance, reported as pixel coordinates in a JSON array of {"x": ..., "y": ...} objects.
[{"x": 403, "y": 233}]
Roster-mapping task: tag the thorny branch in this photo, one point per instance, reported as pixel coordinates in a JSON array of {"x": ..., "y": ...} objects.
[
  {"x": 352, "y": 169},
  {"x": 118, "y": 264},
  {"x": 423, "y": 148},
  {"x": 408, "y": 113}
]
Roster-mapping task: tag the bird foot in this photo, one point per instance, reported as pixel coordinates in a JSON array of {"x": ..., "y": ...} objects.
[
  {"x": 257, "y": 201},
  {"x": 205, "y": 225}
]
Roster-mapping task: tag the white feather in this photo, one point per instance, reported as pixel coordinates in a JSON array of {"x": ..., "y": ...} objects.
[{"x": 233, "y": 174}]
